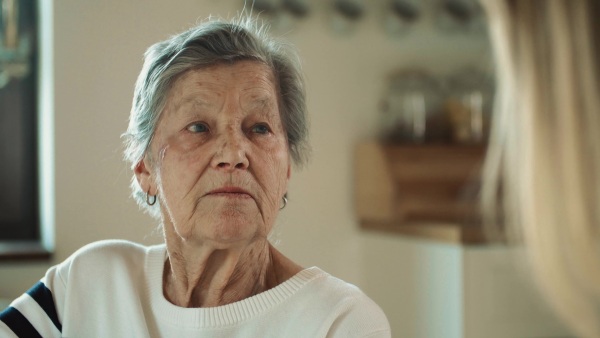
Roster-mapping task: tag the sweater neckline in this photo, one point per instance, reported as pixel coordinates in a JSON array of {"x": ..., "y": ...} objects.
[{"x": 219, "y": 316}]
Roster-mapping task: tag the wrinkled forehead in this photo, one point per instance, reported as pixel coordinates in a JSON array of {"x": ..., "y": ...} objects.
[{"x": 252, "y": 81}]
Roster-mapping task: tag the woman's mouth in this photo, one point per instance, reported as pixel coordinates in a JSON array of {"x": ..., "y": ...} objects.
[{"x": 231, "y": 192}]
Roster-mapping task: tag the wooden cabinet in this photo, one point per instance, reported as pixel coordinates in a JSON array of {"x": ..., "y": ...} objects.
[{"x": 422, "y": 190}]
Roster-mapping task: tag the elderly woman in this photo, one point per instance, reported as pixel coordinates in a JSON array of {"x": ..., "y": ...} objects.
[{"x": 218, "y": 116}]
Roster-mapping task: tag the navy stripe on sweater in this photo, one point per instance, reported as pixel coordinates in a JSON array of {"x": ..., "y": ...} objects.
[
  {"x": 18, "y": 323},
  {"x": 43, "y": 296}
]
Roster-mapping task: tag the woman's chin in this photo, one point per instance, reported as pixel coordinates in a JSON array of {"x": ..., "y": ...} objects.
[{"x": 232, "y": 229}]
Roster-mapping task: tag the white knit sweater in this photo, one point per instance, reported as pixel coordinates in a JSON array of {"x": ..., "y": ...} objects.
[{"x": 114, "y": 289}]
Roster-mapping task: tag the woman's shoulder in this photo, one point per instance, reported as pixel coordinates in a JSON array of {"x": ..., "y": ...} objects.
[
  {"x": 351, "y": 310},
  {"x": 332, "y": 291},
  {"x": 110, "y": 249},
  {"x": 108, "y": 255},
  {"x": 326, "y": 283}
]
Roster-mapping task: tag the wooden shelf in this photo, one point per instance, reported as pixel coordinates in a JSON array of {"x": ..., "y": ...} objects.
[{"x": 420, "y": 190}]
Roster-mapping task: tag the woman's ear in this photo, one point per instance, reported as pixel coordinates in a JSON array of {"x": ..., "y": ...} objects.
[{"x": 143, "y": 173}]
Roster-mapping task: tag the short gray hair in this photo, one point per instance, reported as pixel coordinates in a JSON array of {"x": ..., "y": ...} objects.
[{"x": 213, "y": 42}]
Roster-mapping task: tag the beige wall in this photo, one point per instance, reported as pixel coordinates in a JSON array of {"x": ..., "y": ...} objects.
[{"x": 98, "y": 47}]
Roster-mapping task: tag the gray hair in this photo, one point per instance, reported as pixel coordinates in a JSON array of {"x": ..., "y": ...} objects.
[{"x": 210, "y": 43}]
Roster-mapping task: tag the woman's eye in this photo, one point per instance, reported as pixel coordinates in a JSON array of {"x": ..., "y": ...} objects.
[
  {"x": 260, "y": 129},
  {"x": 197, "y": 128}
]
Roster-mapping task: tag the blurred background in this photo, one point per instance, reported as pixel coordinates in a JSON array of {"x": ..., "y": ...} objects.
[{"x": 411, "y": 78}]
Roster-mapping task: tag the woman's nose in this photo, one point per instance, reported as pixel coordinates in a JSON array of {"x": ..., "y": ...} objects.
[{"x": 231, "y": 154}]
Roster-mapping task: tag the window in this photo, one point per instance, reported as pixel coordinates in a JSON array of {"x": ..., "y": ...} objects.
[{"x": 19, "y": 182}]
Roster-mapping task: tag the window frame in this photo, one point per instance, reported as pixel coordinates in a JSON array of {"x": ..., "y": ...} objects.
[{"x": 37, "y": 241}]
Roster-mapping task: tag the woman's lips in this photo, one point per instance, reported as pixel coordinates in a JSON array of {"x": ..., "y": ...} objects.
[{"x": 232, "y": 192}]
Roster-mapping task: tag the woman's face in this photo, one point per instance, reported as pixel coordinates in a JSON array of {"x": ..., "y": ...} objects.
[{"x": 219, "y": 157}]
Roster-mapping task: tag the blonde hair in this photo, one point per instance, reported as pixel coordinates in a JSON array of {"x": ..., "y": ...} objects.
[{"x": 544, "y": 154}]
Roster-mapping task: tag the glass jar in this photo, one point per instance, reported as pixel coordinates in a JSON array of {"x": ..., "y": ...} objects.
[
  {"x": 468, "y": 105},
  {"x": 411, "y": 108}
]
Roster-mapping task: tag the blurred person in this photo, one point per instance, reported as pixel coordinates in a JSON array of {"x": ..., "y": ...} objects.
[
  {"x": 544, "y": 154},
  {"x": 218, "y": 117}
]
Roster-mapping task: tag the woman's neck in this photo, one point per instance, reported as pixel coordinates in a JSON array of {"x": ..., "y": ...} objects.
[{"x": 207, "y": 277}]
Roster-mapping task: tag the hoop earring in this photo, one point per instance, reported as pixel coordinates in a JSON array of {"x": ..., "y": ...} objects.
[
  {"x": 150, "y": 199},
  {"x": 284, "y": 201}
]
